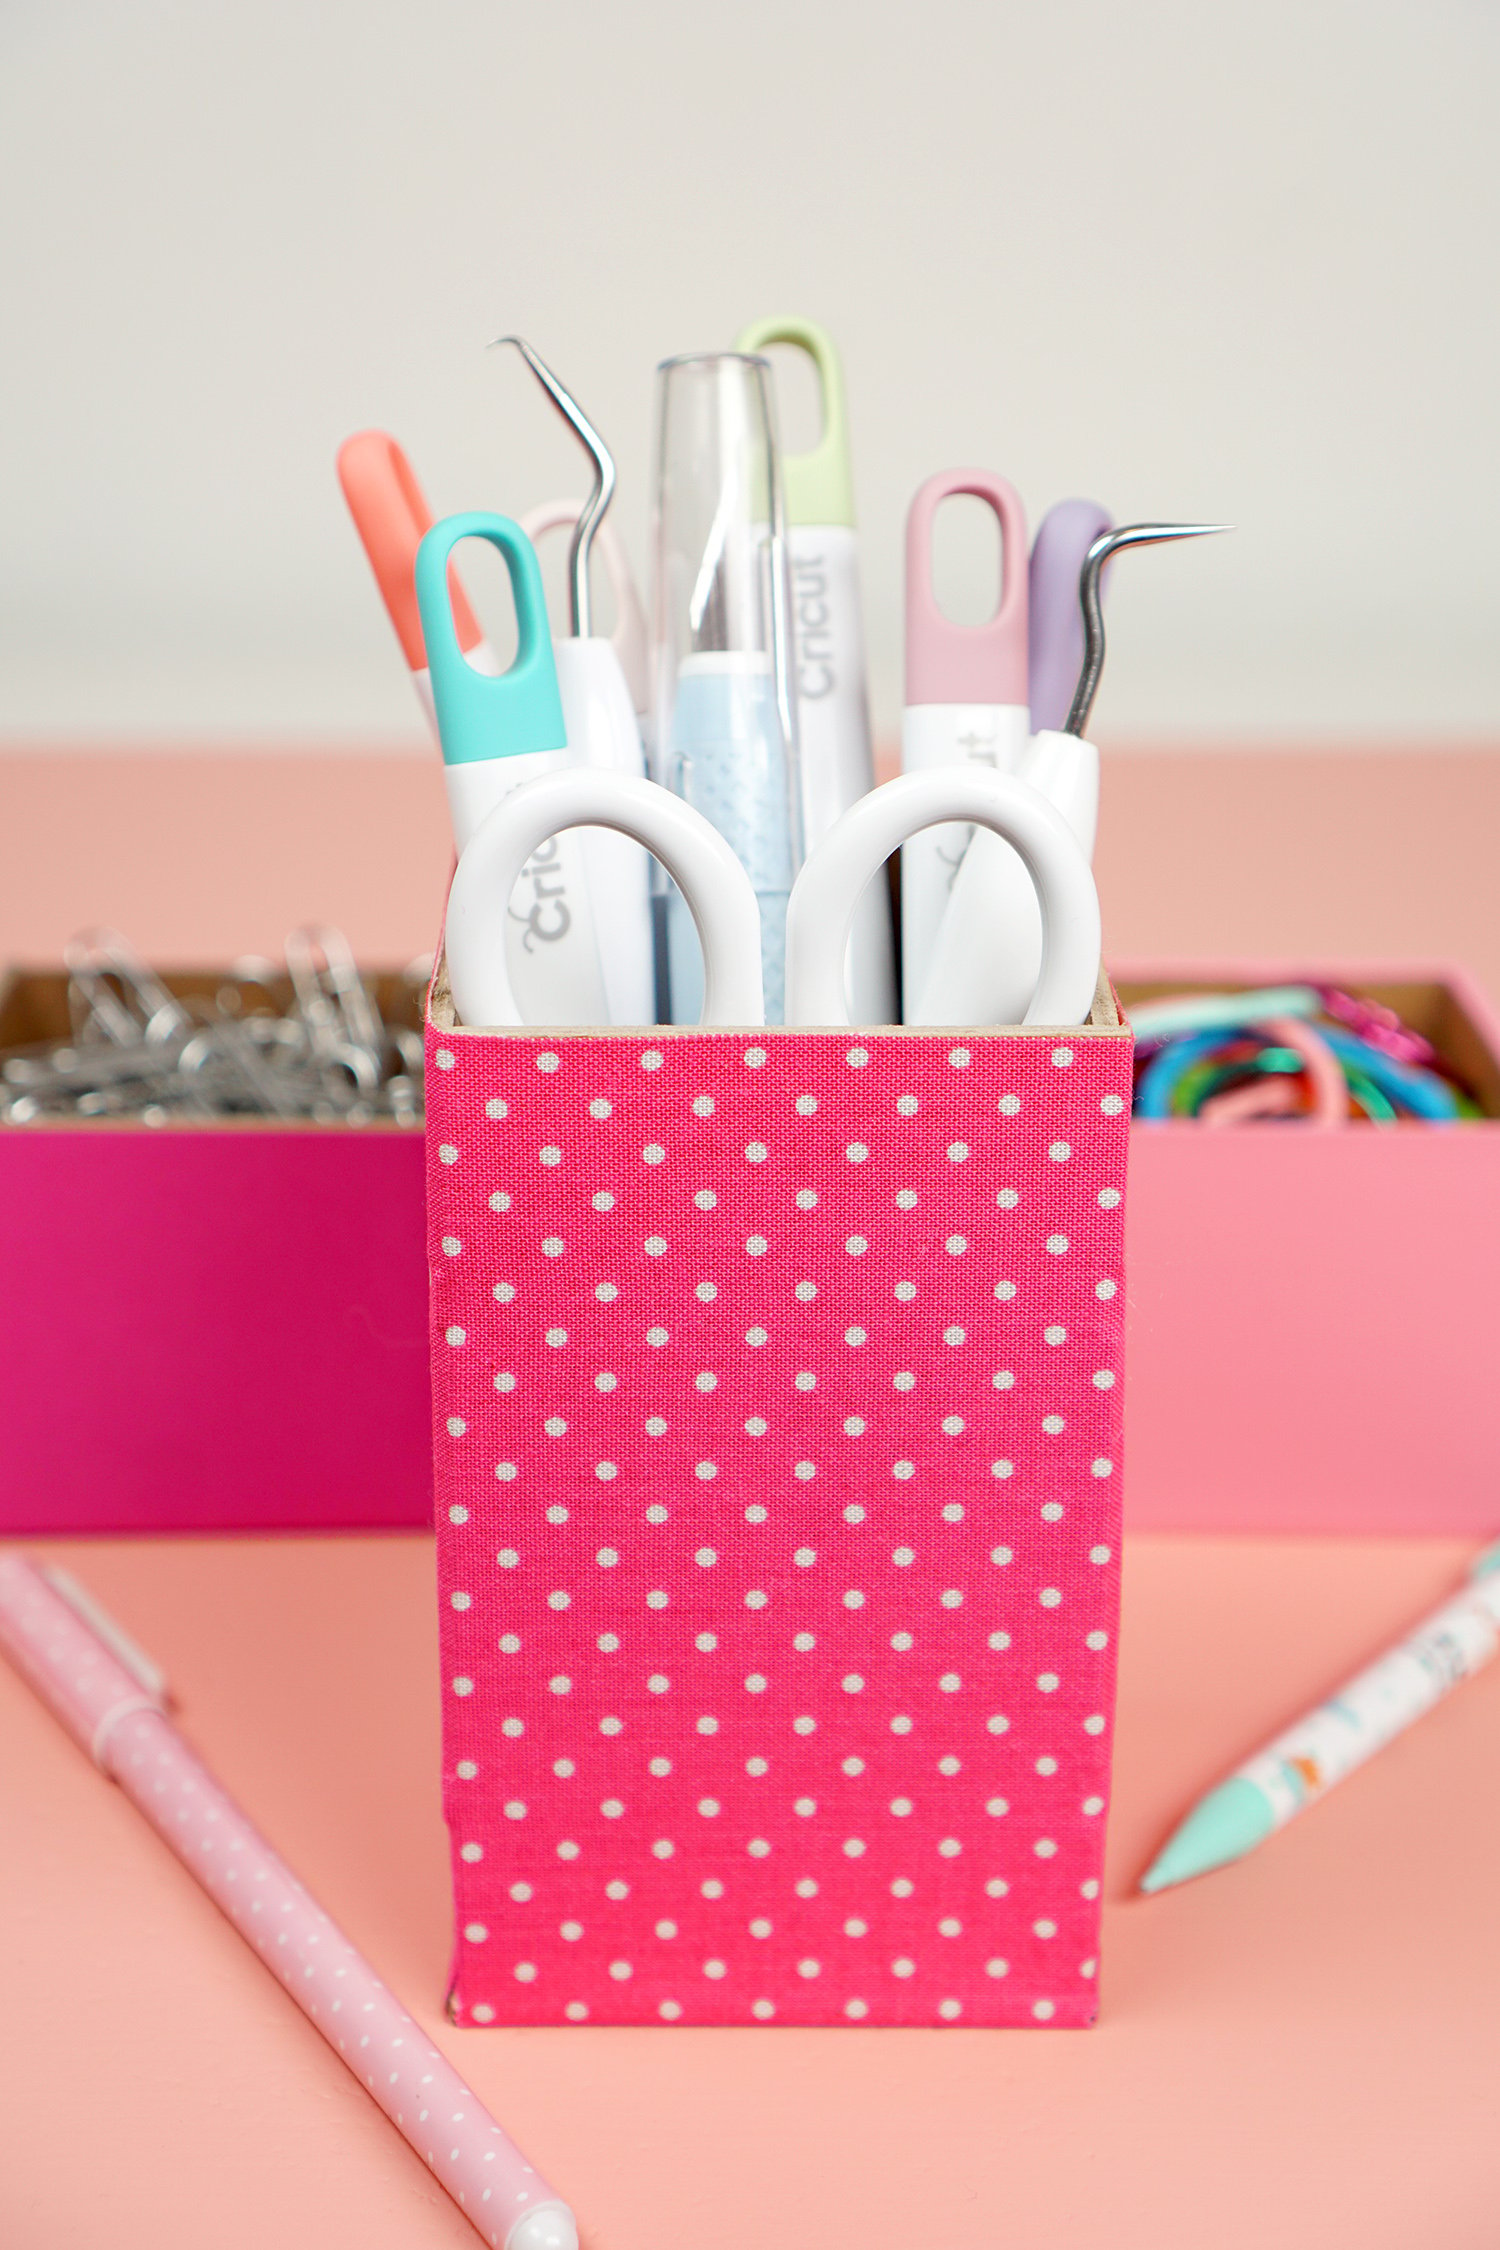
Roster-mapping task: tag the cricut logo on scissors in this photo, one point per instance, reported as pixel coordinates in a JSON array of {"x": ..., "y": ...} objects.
[
  {"x": 815, "y": 673},
  {"x": 549, "y": 890}
]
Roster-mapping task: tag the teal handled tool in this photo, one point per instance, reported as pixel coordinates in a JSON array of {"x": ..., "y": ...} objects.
[
  {"x": 603, "y": 732},
  {"x": 496, "y": 732}
]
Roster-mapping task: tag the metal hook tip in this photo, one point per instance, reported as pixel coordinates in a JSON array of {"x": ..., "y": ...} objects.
[
  {"x": 532, "y": 358},
  {"x": 604, "y": 480},
  {"x": 1148, "y": 535},
  {"x": 1104, "y": 548}
]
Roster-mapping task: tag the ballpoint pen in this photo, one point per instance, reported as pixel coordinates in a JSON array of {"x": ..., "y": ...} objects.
[
  {"x": 987, "y": 950},
  {"x": 392, "y": 518},
  {"x": 495, "y": 734},
  {"x": 602, "y": 731},
  {"x": 833, "y": 714},
  {"x": 965, "y": 699},
  {"x": 725, "y": 731},
  {"x": 1333, "y": 1741},
  {"x": 112, "y": 1700}
]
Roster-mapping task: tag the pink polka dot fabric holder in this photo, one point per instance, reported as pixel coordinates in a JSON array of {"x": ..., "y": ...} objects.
[{"x": 777, "y": 1402}]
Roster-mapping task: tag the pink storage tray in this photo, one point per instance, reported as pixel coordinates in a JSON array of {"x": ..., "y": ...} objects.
[
  {"x": 216, "y": 1327},
  {"x": 1312, "y": 1315}
]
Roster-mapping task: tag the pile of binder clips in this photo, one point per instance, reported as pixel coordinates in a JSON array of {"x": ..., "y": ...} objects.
[{"x": 307, "y": 1042}]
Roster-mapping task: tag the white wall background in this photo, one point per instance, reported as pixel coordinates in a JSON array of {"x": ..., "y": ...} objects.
[{"x": 1192, "y": 259}]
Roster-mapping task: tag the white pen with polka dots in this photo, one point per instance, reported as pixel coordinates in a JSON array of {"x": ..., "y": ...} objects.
[{"x": 112, "y": 1699}]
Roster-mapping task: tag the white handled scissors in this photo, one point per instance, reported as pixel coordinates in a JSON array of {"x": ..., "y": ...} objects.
[
  {"x": 715, "y": 886},
  {"x": 835, "y": 873},
  {"x": 824, "y": 897}
]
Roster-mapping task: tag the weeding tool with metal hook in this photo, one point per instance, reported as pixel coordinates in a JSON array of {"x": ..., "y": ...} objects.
[
  {"x": 599, "y": 712},
  {"x": 629, "y": 635},
  {"x": 1054, "y": 628},
  {"x": 497, "y": 733},
  {"x": 986, "y": 955}
]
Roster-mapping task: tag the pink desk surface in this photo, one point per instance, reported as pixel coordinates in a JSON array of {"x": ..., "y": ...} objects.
[
  {"x": 1299, "y": 2051},
  {"x": 1355, "y": 855}
]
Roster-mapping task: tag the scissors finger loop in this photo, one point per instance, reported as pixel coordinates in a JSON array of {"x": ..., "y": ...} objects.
[
  {"x": 834, "y": 876},
  {"x": 703, "y": 866}
]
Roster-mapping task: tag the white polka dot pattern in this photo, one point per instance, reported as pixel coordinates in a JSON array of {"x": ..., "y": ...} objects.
[
  {"x": 108, "y": 1713},
  {"x": 779, "y": 1577}
]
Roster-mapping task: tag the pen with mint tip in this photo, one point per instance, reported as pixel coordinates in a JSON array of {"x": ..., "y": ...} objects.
[{"x": 1328, "y": 1743}]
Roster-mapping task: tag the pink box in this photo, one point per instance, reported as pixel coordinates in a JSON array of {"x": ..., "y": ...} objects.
[
  {"x": 1313, "y": 1317},
  {"x": 197, "y": 1296},
  {"x": 776, "y": 1416},
  {"x": 209, "y": 1327}
]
